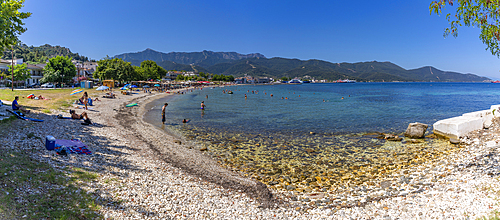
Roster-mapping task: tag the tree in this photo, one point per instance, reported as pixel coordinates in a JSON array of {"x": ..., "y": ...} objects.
[
  {"x": 151, "y": 70},
  {"x": 179, "y": 77},
  {"x": 116, "y": 69},
  {"x": 11, "y": 24},
  {"x": 21, "y": 72},
  {"x": 50, "y": 76},
  {"x": 203, "y": 75},
  {"x": 483, "y": 14},
  {"x": 62, "y": 67}
]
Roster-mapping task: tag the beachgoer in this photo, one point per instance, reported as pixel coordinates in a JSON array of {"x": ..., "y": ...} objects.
[
  {"x": 184, "y": 121},
  {"x": 85, "y": 99},
  {"x": 245, "y": 96},
  {"x": 271, "y": 95},
  {"x": 16, "y": 106},
  {"x": 78, "y": 116},
  {"x": 203, "y": 105},
  {"x": 207, "y": 96},
  {"x": 163, "y": 113}
]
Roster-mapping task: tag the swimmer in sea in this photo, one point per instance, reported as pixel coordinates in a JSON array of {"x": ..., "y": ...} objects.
[
  {"x": 245, "y": 96},
  {"x": 207, "y": 96},
  {"x": 203, "y": 105},
  {"x": 271, "y": 95}
]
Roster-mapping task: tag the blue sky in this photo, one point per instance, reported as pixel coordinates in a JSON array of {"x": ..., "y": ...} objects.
[{"x": 401, "y": 32}]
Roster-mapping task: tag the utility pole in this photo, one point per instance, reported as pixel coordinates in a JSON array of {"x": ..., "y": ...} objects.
[{"x": 12, "y": 84}]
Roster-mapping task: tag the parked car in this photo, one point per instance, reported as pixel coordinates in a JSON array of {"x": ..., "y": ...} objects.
[
  {"x": 48, "y": 85},
  {"x": 34, "y": 85}
]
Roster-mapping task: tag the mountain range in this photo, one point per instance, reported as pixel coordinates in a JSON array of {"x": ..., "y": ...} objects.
[{"x": 257, "y": 65}]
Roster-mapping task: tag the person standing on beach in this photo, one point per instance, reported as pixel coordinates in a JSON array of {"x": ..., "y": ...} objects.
[
  {"x": 163, "y": 113},
  {"x": 85, "y": 99}
]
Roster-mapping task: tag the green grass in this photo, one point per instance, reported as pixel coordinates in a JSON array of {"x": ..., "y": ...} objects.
[
  {"x": 54, "y": 194},
  {"x": 495, "y": 215},
  {"x": 58, "y": 98},
  {"x": 8, "y": 120}
]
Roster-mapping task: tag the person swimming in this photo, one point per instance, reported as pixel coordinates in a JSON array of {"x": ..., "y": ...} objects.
[{"x": 203, "y": 105}]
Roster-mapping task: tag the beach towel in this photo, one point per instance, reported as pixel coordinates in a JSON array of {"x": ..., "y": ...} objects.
[
  {"x": 73, "y": 146},
  {"x": 21, "y": 116},
  {"x": 131, "y": 105}
]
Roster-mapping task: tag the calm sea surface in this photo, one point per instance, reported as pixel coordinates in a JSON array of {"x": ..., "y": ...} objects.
[
  {"x": 365, "y": 107},
  {"x": 270, "y": 138}
]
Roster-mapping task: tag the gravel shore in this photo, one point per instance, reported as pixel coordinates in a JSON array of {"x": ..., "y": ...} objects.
[{"x": 146, "y": 174}]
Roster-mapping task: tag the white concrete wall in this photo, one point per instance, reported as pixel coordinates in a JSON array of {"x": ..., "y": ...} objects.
[{"x": 459, "y": 126}]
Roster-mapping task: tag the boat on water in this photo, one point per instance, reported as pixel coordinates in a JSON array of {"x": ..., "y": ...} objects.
[
  {"x": 295, "y": 81},
  {"x": 345, "y": 81},
  {"x": 498, "y": 81}
]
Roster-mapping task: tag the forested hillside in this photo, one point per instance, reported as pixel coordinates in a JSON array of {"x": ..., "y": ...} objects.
[
  {"x": 41, "y": 54},
  {"x": 231, "y": 63}
]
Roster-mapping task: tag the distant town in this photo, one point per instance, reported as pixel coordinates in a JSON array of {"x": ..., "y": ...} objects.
[{"x": 85, "y": 72}]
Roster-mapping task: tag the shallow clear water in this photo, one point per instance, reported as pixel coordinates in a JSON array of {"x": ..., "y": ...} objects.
[{"x": 294, "y": 141}]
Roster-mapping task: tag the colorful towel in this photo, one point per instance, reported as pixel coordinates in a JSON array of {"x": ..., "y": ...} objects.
[{"x": 73, "y": 146}]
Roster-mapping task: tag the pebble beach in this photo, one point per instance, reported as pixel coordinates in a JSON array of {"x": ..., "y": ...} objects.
[{"x": 144, "y": 173}]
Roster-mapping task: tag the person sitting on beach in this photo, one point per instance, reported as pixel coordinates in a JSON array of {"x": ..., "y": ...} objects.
[
  {"x": 16, "y": 106},
  {"x": 78, "y": 116},
  {"x": 110, "y": 95}
]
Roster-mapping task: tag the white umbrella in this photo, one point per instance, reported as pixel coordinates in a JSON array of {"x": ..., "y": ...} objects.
[{"x": 102, "y": 88}]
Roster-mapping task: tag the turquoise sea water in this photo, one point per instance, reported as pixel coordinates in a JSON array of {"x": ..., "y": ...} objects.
[
  {"x": 312, "y": 144},
  {"x": 366, "y": 107}
]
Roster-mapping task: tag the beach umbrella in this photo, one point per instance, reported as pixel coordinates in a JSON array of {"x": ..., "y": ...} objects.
[
  {"x": 157, "y": 85},
  {"x": 133, "y": 86},
  {"x": 146, "y": 86},
  {"x": 102, "y": 88},
  {"x": 76, "y": 91}
]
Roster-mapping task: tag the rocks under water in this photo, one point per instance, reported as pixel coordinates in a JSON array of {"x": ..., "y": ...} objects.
[{"x": 362, "y": 167}]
